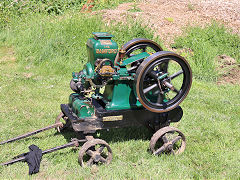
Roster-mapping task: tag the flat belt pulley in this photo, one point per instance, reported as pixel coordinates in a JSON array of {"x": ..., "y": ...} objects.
[{"x": 162, "y": 81}]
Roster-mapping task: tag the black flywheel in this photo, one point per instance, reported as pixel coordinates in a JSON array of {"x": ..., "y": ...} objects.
[
  {"x": 162, "y": 81},
  {"x": 139, "y": 45}
]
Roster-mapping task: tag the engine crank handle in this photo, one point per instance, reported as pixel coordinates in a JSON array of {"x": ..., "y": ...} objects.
[{"x": 59, "y": 124}]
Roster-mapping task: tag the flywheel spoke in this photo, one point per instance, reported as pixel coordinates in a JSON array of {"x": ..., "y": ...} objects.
[
  {"x": 160, "y": 98},
  {"x": 175, "y": 90},
  {"x": 170, "y": 86},
  {"x": 146, "y": 90},
  {"x": 153, "y": 74},
  {"x": 176, "y": 74}
]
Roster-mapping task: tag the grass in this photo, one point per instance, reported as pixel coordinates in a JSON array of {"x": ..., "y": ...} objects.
[
  {"x": 210, "y": 124},
  {"x": 204, "y": 45},
  {"x": 135, "y": 8},
  {"x": 58, "y": 43},
  {"x": 37, "y": 56},
  {"x": 10, "y": 9}
]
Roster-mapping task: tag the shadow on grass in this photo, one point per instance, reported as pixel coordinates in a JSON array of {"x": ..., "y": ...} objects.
[
  {"x": 110, "y": 136},
  {"x": 115, "y": 135}
]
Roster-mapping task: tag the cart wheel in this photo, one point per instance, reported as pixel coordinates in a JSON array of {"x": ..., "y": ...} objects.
[
  {"x": 66, "y": 122},
  {"x": 139, "y": 45},
  {"x": 168, "y": 140},
  {"x": 95, "y": 151},
  {"x": 162, "y": 81}
]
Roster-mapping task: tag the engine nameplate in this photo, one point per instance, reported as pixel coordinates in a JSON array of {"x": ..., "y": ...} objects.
[{"x": 113, "y": 118}]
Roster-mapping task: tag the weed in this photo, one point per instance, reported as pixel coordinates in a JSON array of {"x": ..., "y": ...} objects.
[
  {"x": 191, "y": 7},
  {"x": 135, "y": 8},
  {"x": 169, "y": 19}
]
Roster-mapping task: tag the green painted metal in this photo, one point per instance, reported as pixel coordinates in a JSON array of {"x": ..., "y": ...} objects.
[
  {"x": 120, "y": 95},
  {"x": 101, "y": 47},
  {"x": 119, "y": 91},
  {"x": 75, "y": 78},
  {"x": 102, "y": 35},
  {"x": 116, "y": 77},
  {"x": 80, "y": 107},
  {"x": 134, "y": 58},
  {"x": 123, "y": 72},
  {"x": 163, "y": 76},
  {"x": 89, "y": 70}
]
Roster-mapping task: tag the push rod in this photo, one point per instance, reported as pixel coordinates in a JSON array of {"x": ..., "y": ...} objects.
[{"x": 32, "y": 133}]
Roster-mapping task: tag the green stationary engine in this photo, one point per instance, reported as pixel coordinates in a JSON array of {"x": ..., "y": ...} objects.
[
  {"x": 136, "y": 85},
  {"x": 139, "y": 74}
]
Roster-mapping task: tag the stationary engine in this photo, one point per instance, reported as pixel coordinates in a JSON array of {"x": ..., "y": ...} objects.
[{"x": 139, "y": 74}]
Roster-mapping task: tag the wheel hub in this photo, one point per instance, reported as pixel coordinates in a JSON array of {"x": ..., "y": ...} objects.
[
  {"x": 97, "y": 157},
  {"x": 169, "y": 147}
]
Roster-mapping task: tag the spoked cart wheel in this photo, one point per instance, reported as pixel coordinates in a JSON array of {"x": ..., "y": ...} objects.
[
  {"x": 168, "y": 140},
  {"x": 162, "y": 81},
  {"x": 95, "y": 151},
  {"x": 64, "y": 119}
]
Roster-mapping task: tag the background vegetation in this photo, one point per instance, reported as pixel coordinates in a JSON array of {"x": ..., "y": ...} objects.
[
  {"x": 16, "y": 8},
  {"x": 204, "y": 45},
  {"x": 39, "y": 51}
]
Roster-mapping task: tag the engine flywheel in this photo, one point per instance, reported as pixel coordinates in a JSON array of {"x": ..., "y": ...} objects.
[{"x": 162, "y": 81}]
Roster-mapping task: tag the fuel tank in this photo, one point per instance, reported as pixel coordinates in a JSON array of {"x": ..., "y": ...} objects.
[{"x": 101, "y": 46}]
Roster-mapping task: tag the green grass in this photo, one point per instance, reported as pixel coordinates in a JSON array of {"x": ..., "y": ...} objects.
[
  {"x": 210, "y": 123},
  {"x": 47, "y": 49},
  {"x": 135, "y": 8},
  {"x": 13, "y": 9},
  {"x": 203, "y": 45},
  {"x": 58, "y": 43}
]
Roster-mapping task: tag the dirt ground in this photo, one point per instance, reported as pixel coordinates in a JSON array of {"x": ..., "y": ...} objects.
[{"x": 168, "y": 18}]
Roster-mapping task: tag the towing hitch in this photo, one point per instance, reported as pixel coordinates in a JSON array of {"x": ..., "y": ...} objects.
[{"x": 56, "y": 125}]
